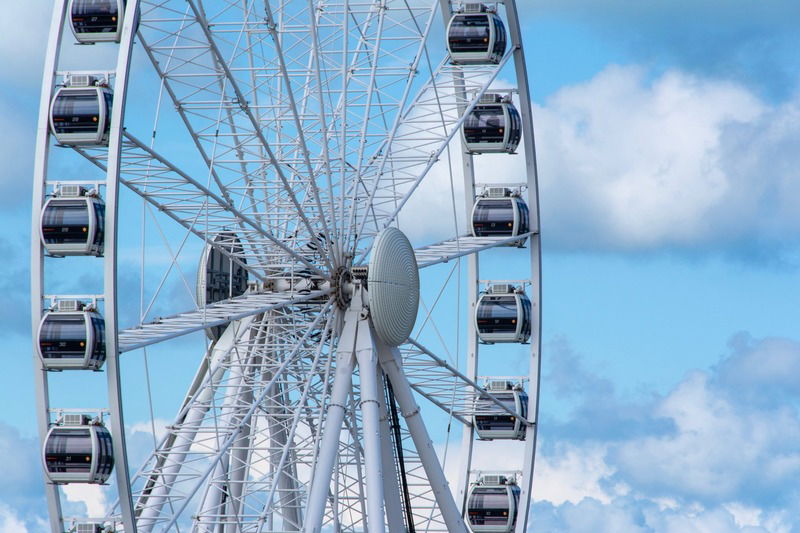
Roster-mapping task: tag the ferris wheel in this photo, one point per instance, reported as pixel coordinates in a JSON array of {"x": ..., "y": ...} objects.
[{"x": 284, "y": 143}]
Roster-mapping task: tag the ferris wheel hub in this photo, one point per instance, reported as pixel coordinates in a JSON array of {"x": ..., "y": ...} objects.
[
  {"x": 393, "y": 284},
  {"x": 343, "y": 286}
]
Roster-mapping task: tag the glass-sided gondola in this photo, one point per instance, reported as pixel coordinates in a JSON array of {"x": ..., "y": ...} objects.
[
  {"x": 493, "y": 126},
  {"x": 72, "y": 337},
  {"x": 492, "y": 505},
  {"x": 503, "y": 314},
  {"x": 80, "y": 113},
  {"x": 73, "y": 222},
  {"x": 95, "y": 21},
  {"x": 78, "y": 450},
  {"x": 499, "y": 212},
  {"x": 219, "y": 277},
  {"x": 492, "y": 422},
  {"x": 476, "y": 35}
]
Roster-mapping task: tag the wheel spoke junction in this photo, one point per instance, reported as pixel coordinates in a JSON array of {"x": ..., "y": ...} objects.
[
  {"x": 445, "y": 251},
  {"x": 216, "y": 314}
]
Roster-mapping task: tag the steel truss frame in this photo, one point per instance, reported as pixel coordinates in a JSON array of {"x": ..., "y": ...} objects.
[{"x": 314, "y": 130}]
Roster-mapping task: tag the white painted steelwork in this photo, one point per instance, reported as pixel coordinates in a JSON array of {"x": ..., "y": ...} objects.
[{"x": 303, "y": 128}]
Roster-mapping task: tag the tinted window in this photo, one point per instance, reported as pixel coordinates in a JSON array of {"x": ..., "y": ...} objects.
[
  {"x": 69, "y": 451},
  {"x": 524, "y": 217},
  {"x": 494, "y": 217},
  {"x": 109, "y": 99},
  {"x": 65, "y": 222},
  {"x": 99, "y": 325},
  {"x": 100, "y": 231},
  {"x": 105, "y": 461},
  {"x": 469, "y": 33},
  {"x": 516, "y": 126},
  {"x": 499, "y": 420},
  {"x": 63, "y": 337},
  {"x": 526, "y": 317},
  {"x": 489, "y": 506},
  {"x": 486, "y": 124},
  {"x": 94, "y": 16},
  {"x": 76, "y": 112},
  {"x": 497, "y": 314},
  {"x": 499, "y": 37}
]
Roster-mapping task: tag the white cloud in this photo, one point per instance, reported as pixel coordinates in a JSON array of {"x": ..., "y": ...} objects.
[
  {"x": 634, "y": 163},
  {"x": 630, "y": 162},
  {"x": 92, "y": 496},
  {"x": 715, "y": 462},
  {"x": 773, "y": 361},
  {"x": 572, "y": 473},
  {"x": 719, "y": 450},
  {"x": 10, "y": 522},
  {"x": 147, "y": 426}
]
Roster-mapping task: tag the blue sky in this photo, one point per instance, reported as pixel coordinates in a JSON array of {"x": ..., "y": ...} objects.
[{"x": 667, "y": 135}]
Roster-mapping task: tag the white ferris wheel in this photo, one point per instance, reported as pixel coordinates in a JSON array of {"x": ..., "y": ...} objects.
[{"x": 283, "y": 140}]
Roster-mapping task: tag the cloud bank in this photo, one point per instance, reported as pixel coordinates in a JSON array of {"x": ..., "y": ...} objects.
[
  {"x": 632, "y": 163},
  {"x": 705, "y": 456}
]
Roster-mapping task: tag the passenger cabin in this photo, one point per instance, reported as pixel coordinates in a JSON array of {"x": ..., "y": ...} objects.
[
  {"x": 491, "y": 421},
  {"x": 78, "y": 450},
  {"x": 493, "y": 126},
  {"x": 72, "y": 337},
  {"x": 492, "y": 505},
  {"x": 94, "y": 21},
  {"x": 499, "y": 212},
  {"x": 476, "y": 35},
  {"x": 219, "y": 277},
  {"x": 73, "y": 222},
  {"x": 81, "y": 111},
  {"x": 503, "y": 314}
]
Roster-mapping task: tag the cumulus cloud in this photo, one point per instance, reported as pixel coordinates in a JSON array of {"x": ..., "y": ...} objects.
[
  {"x": 632, "y": 162},
  {"x": 92, "y": 497},
  {"x": 647, "y": 516},
  {"x": 10, "y": 522},
  {"x": 720, "y": 462},
  {"x": 720, "y": 450}
]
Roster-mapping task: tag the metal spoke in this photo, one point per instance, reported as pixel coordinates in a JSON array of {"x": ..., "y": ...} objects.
[{"x": 216, "y": 314}]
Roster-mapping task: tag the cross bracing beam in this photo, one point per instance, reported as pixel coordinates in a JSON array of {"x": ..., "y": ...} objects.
[
  {"x": 422, "y": 131},
  {"x": 445, "y": 251},
  {"x": 445, "y": 386},
  {"x": 215, "y": 314},
  {"x": 195, "y": 207},
  {"x": 250, "y": 394},
  {"x": 218, "y": 119}
]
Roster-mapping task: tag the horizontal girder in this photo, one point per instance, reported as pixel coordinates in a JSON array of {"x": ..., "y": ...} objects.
[{"x": 212, "y": 315}]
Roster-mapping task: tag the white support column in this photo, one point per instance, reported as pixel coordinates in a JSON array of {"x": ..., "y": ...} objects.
[
  {"x": 391, "y": 489},
  {"x": 329, "y": 447},
  {"x": 390, "y": 361},
  {"x": 150, "y": 504},
  {"x": 371, "y": 419},
  {"x": 236, "y": 400}
]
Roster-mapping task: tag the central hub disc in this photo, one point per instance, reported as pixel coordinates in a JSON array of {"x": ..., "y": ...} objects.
[{"x": 393, "y": 285}]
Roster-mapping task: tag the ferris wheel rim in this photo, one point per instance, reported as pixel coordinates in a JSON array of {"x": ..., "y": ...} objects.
[{"x": 333, "y": 258}]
